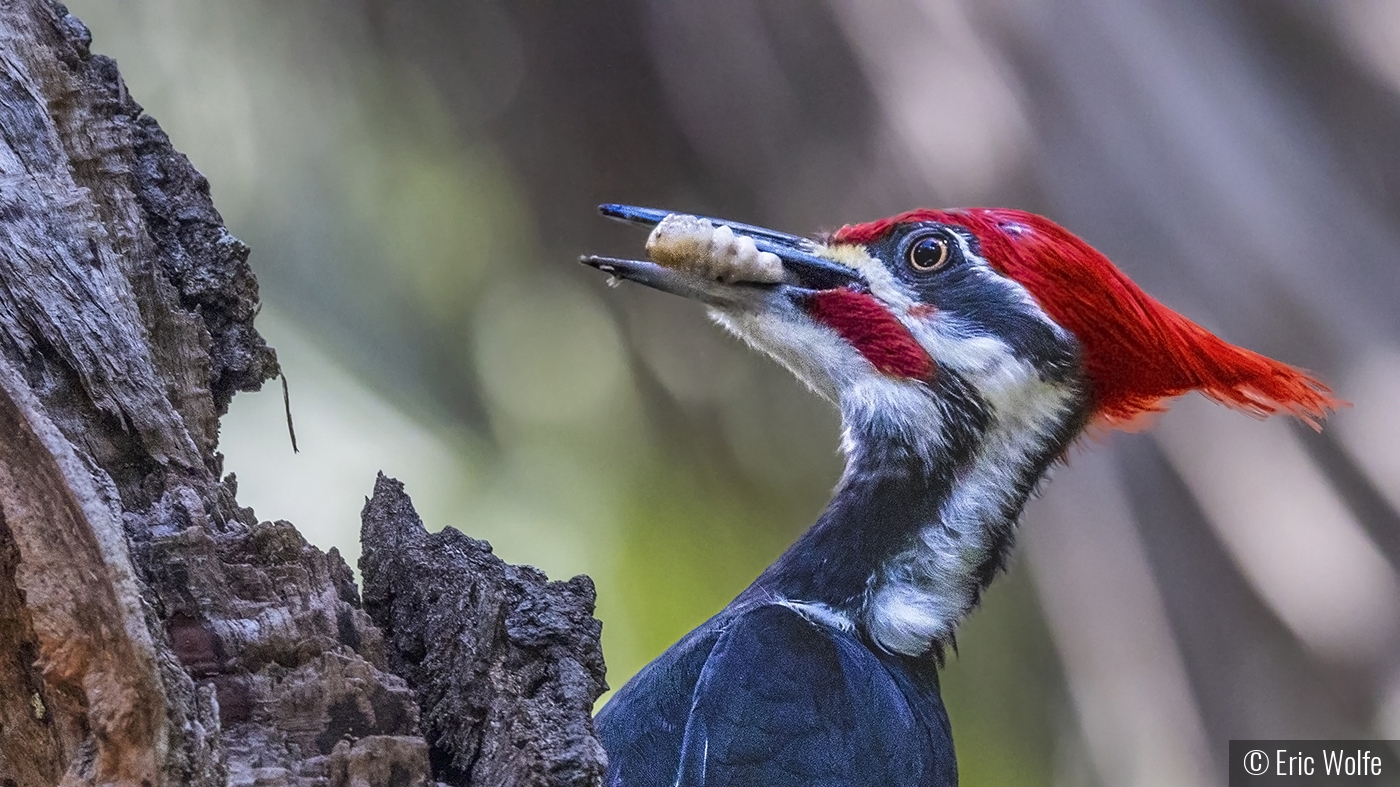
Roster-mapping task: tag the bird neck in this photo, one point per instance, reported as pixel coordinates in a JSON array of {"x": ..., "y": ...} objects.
[{"x": 924, "y": 514}]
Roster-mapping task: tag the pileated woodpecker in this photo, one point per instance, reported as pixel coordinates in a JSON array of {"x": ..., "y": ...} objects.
[{"x": 966, "y": 350}]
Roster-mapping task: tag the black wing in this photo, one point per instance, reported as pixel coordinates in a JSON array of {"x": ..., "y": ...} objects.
[{"x": 782, "y": 702}]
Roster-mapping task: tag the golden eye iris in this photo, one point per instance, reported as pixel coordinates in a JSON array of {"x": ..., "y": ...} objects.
[{"x": 929, "y": 254}]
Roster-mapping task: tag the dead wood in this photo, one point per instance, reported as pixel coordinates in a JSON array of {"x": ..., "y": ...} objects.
[
  {"x": 506, "y": 664},
  {"x": 152, "y": 631}
]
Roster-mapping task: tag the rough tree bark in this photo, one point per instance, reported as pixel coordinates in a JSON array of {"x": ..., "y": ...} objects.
[
  {"x": 507, "y": 664},
  {"x": 153, "y": 632}
]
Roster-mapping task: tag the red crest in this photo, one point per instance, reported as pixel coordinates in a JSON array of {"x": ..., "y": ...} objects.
[{"x": 1137, "y": 353}]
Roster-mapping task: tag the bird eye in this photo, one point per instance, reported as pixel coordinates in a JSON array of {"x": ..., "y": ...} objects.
[{"x": 929, "y": 254}]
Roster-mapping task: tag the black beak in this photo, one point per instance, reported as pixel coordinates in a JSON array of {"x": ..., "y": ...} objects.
[{"x": 804, "y": 268}]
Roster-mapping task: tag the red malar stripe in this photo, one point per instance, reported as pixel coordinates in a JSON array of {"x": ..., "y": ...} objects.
[{"x": 869, "y": 327}]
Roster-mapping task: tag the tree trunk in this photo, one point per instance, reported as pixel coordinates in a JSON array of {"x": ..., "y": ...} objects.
[{"x": 152, "y": 632}]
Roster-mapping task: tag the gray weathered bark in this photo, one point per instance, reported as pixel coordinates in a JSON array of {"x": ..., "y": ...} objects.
[
  {"x": 506, "y": 664},
  {"x": 152, "y": 632}
]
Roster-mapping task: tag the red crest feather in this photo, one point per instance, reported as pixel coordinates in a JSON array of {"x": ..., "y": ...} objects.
[{"x": 1137, "y": 353}]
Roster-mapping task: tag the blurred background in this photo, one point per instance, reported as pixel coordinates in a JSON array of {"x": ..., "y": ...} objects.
[{"x": 417, "y": 177}]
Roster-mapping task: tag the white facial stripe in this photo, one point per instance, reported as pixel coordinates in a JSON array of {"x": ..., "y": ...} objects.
[
  {"x": 922, "y": 594},
  {"x": 957, "y": 346}
]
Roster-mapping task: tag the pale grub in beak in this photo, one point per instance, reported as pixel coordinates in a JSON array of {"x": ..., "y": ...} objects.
[{"x": 696, "y": 246}]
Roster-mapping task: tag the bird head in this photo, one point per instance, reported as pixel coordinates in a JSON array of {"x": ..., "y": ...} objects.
[
  {"x": 1003, "y": 309},
  {"x": 966, "y": 350}
]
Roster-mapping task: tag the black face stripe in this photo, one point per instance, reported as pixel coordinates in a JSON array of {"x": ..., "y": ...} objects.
[{"x": 969, "y": 290}]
